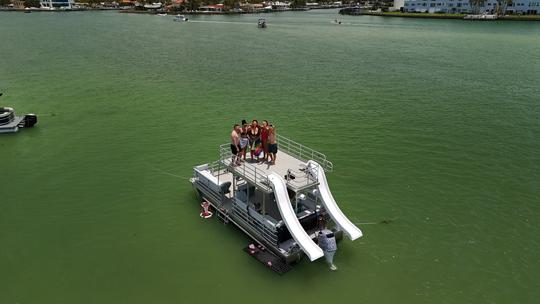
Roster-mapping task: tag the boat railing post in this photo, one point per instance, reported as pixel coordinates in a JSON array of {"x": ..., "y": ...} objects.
[
  {"x": 264, "y": 205},
  {"x": 296, "y": 203},
  {"x": 218, "y": 172},
  {"x": 247, "y": 197},
  {"x": 234, "y": 186}
]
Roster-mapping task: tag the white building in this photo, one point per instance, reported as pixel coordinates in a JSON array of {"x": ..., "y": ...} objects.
[
  {"x": 398, "y": 5},
  {"x": 57, "y": 4},
  {"x": 463, "y": 6}
]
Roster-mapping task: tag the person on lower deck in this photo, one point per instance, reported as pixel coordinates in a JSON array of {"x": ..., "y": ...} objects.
[
  {"x": 272, "y": 144},
  {"x": 327, "y": 242},
  {"x": 235, "y": 145}
]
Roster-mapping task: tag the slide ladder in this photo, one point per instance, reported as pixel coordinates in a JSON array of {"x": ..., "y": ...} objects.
[
  {"x": 330, "y": 203},
  {"x": 291, "y": 221}
]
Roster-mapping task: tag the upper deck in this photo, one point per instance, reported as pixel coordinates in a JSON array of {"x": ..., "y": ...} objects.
[{"x": 290, "y": 164}]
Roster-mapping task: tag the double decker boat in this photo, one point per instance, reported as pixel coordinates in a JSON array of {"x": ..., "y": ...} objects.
[{"x": 280, "y": 207}]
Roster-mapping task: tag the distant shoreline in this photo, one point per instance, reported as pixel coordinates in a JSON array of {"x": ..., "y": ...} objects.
[
  {"x": 37, "y": 10},
  {"x": 440, "y": 16},
  {"x": 154, "y": 12}
]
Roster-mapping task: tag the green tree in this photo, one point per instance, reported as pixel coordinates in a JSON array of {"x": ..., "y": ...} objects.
[
  {"x": 5, "y": 2},
  {"x": 193, "y": 4},
  {"x": 298, "y": 3},
  {"x": 230, "y": 3},
  {"x": 31, "y": 3},
  {"x": 501, "y": 6},
  {"x": 476, "y": 5}
]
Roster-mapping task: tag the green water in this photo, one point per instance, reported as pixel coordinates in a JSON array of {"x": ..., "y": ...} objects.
[{"x": 431, "y": 123}]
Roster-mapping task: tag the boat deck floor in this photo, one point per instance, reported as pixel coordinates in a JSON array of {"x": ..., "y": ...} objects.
[{"x": 284, "y": 163}]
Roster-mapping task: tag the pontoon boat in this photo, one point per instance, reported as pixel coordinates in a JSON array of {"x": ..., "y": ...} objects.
[{"x": 280, "y": 207}]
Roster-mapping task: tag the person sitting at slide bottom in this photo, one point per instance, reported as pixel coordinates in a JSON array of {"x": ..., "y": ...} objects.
[{"x": 327, "y": 242}]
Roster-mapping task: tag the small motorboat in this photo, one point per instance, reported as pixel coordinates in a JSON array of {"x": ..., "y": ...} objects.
[
  {"x": 180, "y": 18},
  {"x": 161, "y": 15},
  {"x": 10, "y": 123},
  {"x": 261, "y": 23}
]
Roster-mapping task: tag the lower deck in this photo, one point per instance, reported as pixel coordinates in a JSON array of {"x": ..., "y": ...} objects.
[{"x": 257, "y": 214}]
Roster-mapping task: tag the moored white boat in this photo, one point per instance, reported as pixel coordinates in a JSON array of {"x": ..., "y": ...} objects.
[
  {"x": 155, "y": 5},
  {"x": 481, "y": 17}
]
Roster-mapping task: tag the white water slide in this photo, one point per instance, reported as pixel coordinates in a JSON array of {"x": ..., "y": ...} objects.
[
  {"x": 291, "y": 221},
  {"x": 330, "y": 203}
]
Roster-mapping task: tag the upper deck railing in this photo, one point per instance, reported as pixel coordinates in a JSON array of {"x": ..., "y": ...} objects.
[
  {"x": 258, "y": 176},
  {"x": 304, "y": 153},
  {"x": 254, "y": 175}
]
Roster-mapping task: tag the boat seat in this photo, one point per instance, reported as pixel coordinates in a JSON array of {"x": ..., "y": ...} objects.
[
  {"x": 225, "y": 187},
  {"x": 212, "y": 182}
]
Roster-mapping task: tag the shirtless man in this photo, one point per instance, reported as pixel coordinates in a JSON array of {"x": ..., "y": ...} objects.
[
  {"x": 235, "y": 145},
  {"x": 272, "y": 144}
]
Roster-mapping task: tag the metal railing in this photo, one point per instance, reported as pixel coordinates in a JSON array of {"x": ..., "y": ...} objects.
[
  {"x": 304, "y": 153},
  {"x": 270, "y": 235},
  {"x": 302, "y": 178},
  {"x": 215, "y": 167},
  {"x": 248, "y": 171}
]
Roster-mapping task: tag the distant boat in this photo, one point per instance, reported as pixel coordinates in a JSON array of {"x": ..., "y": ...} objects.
[
  {"x": 161, "y": 15},
  {"x": 180, "y": 18},
  {"x": 481, "y": 17},
  {"x": 11, "y": 123},
  {"x": 155, "y": 5}
]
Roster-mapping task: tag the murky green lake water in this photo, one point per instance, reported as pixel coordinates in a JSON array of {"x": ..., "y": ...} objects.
[{"x": 431, "y": 123}]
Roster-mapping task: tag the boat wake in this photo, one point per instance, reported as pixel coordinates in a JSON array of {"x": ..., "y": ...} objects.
[{"x": 170, "y": 174}]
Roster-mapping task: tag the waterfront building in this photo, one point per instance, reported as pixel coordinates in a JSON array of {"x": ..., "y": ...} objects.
[
  {"x": 212, "y": 8},
  {"x": 57, "y": 4},
  {"x": 529, "y": 7},
  {"x": 280, "y": 6}
]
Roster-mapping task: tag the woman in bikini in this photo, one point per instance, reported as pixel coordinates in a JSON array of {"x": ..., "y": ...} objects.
[
  {"x": 264, "y": 140},
  {"x": 244, "y": 141},
  {"x": 254, "y": 137}
]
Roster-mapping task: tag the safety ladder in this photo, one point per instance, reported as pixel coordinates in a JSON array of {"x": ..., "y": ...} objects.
[{"x": 223, "y": 215}]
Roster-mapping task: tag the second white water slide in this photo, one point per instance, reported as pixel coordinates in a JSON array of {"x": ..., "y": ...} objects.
[
  {"x": 291, "y": 221},
  {"x": 330, "y": 203}
]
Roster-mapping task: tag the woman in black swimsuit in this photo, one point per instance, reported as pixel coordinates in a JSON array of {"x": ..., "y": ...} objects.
[{"x": 254, "y": 137}]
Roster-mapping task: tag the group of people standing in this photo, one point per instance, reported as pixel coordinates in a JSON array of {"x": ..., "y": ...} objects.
[{"x": 260, "y": 140}]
